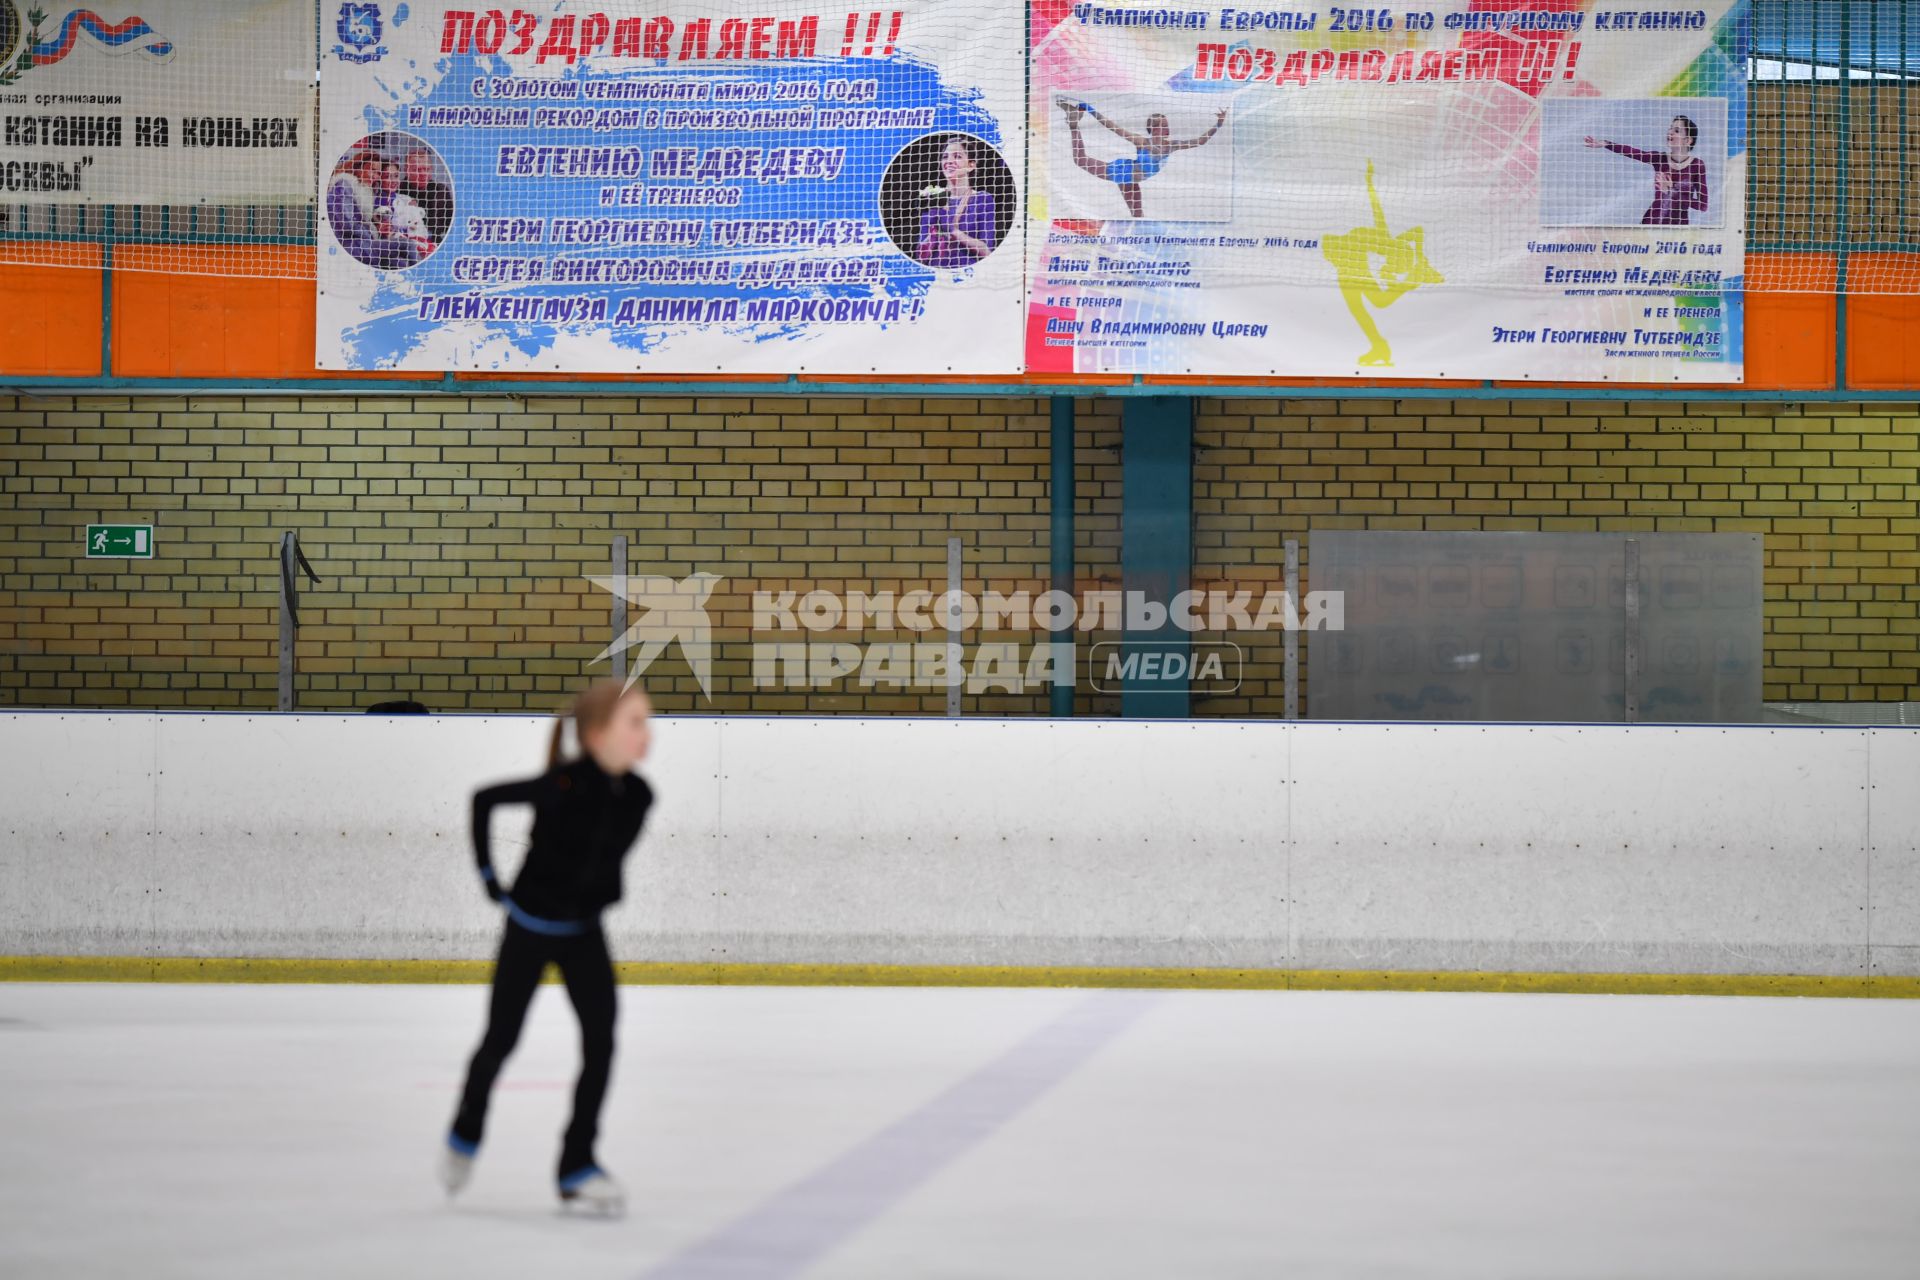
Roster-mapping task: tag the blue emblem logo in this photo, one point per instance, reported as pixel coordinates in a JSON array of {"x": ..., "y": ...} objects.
[{"x": 360, "y": 29}]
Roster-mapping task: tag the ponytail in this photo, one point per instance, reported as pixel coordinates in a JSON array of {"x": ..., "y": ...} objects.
[{"x": 592, "y": 707}]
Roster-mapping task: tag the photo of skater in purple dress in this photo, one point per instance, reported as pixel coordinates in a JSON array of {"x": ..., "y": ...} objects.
[
  {"x": 1679, "y": 176},
  {"x": 965, "y": 229}
]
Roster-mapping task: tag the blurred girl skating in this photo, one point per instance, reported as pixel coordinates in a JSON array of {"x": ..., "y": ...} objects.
[
  {"x": 1679, "y": 176},
  {"x": 1150, "y": 150},
  {"x": 587, "y": 812}
]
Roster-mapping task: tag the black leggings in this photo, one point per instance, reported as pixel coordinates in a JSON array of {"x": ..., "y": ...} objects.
[{"x": 588, "y": 972}]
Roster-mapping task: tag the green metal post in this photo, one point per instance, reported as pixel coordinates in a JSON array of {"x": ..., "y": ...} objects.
[
  {"x": 1156, "y": 551},
  {"x": 1843, "y": 226},
  {"x": 106, "y": 293},
  {"x": 1906, "y": 73}
]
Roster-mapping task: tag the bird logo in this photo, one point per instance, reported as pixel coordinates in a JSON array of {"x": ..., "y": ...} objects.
[{"x": 671, "y": 611}]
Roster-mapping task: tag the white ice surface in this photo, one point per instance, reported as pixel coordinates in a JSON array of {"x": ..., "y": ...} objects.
[{"x": 259, "y": 1131}]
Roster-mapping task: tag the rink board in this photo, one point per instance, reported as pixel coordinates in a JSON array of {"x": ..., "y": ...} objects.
[{"x": 927, "y": 847}]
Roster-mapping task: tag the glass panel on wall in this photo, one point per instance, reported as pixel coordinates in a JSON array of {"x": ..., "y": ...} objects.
[{"x": 1539, "y": 627}]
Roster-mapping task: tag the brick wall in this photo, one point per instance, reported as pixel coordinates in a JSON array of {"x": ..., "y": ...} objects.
[{"x": 456, "y": 535}]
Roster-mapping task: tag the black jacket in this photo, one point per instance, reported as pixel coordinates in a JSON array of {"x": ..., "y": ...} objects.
[{"x": 584, "y": 823}]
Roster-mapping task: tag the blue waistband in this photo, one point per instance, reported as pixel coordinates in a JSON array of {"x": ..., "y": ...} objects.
[{"x": 535, "y": 924}]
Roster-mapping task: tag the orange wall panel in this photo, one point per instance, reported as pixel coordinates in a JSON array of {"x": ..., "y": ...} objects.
[
  {"x": 1883, "y": 329},
  {"x": 1883, "y": 342},
  {"x": 1790, "y": 336},
  {"x": 50, "y": 316},
  {"x": 176, "y": 317},
  {"x": 173, "y": 318}
]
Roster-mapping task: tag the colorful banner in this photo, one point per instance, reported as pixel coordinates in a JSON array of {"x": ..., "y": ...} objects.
[
  {"x": 156, "y": 102},
  {"x": 1507, "y": 189},
  {"x": 694, "y": 189}
]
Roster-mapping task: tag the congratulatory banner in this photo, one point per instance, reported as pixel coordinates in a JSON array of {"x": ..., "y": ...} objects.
[
  {"x": 698, "y": 188},
  {"x": 1491, "y": 188}
]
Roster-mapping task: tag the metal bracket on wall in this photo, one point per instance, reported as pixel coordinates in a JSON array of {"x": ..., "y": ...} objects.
[
  {"x": 619, "y": 618},
  {"x": 293, "y": 561},
  {"x": 955, "y": 649},
  {"x": 1292, "y": 638},
  {"x": 1631, "y": 643}
]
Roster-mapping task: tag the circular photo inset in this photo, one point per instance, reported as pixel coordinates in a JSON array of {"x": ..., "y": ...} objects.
[
  {"x": 390, "y": 200},
  {"x": 947, "y": 200}
]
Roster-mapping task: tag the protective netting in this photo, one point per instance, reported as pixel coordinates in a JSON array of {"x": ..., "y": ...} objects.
[
  {"x": 168, "y": 135},
  {"x": 1835, "y": 146},
  {"x": 702, "y": 188},
  {"x": 184, "y": 135}
]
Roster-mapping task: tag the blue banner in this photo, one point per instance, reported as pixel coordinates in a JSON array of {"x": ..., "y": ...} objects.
[{"x": 696, "y": 191}]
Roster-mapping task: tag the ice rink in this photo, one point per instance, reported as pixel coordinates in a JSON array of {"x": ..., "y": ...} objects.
[{"x": 291, "y": 1131}]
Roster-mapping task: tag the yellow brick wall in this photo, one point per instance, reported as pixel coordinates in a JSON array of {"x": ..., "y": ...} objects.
[{"x": 455, "y": 535}]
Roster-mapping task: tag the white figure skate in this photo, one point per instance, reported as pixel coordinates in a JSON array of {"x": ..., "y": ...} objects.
[
  {"x": 456, "y": 1164},
  {"x": 592, "y": 1191}
]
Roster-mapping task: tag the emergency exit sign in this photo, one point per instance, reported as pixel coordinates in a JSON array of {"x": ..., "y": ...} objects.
[{"x": 119, "y": 542}]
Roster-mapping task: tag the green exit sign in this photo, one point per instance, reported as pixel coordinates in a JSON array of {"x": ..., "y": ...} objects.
[{"x": 119, "y": 542}]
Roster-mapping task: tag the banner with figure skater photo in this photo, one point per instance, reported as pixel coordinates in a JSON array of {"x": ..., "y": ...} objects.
[
  {"x": 1502, "y": 189},
  {"x": 694, "y": 188}
]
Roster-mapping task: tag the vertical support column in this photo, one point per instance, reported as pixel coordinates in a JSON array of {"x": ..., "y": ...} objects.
[
  {"x": 956, "y": 650},
  {"x": 1292, "y": 640},
  {"x": 288, "y": 634},
  {"x": 1631, "y": 646},
  {"x": 1060, "y": 542},
  {"x": 619, "y": 618},
  {"x": 1842, "y": 166},
  {"x": 1908, "y": 68},
  {"x": 292, "y": 561},
  {"x": 110, "y": 228},
  {"x": 1156, "y": 550},
  {"x": 289, "y": 622}
]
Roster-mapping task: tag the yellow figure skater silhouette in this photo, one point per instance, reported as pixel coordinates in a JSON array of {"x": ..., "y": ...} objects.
[{"x": 1405, "y": 269}]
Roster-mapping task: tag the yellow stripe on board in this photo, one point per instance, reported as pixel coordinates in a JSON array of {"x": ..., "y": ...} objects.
[{"x": 650, "y": 973}]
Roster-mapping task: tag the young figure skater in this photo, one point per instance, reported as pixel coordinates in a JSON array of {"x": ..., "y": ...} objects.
[
  {"x": 1150, "y": 151},
  {"x": 587, "y": 812},
  {"x": 1679, "y": 176},
  {"x": 964, "y": 230}
]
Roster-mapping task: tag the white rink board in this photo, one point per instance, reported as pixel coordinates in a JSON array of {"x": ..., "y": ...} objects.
[
  {"x": 1895, "y": 864},
  {"x": 1002, "y": 842},
  {"x": 1580, "y": 849},
  {"x": 1211, "y": 844}
]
